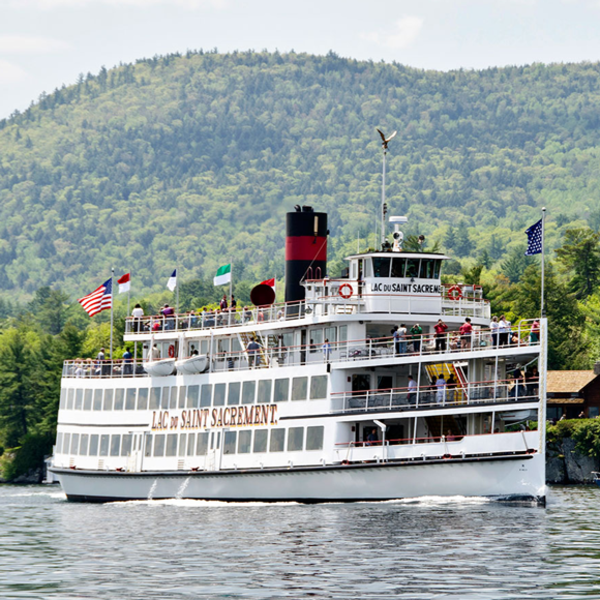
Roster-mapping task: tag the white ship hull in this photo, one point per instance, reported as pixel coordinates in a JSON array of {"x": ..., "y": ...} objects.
[{"x": 511, "y": 477}]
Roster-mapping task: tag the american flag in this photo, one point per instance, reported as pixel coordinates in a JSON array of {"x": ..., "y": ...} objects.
[
  {"x": 534, "y": 239},
  {"x": 100, "y": 299}
]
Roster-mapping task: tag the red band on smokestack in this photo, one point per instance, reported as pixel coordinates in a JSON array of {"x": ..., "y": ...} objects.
[{"x": 305, "y": 247}]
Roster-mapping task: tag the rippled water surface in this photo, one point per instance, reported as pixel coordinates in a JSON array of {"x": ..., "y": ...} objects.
[{"x": 431, "y": 548}]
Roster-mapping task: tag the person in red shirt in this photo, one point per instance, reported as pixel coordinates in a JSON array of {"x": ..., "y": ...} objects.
[
  {"x": 440, "y": 336},
  {"x": 466, "y": 329}
]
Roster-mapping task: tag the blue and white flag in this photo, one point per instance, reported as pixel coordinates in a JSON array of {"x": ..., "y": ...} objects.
[
  {"x": 534, "y": 239},
  {"x": 172, "y": 283}
]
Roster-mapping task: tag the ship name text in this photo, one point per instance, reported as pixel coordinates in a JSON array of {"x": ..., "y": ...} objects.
[
  {"x": 406, "y": 288},
  {"x": 206, "y": 418}
]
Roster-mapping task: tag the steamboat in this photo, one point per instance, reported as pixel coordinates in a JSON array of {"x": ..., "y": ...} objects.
[{"x": 356, "y": 388}]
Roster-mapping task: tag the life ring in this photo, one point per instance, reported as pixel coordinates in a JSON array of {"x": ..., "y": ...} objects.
[
  {"x": 455, "y": 293},
  {"x": 342, "y": 291},
  {"x": 171, "y": 351}
]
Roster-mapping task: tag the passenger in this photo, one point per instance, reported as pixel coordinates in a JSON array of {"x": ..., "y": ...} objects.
[
  {"x": 326, "y": 350},
  {"x": 494, "y": 331},
  {"x": 372, "y": 437},
  {"x": 247, "y": 315},
  {"x": 440, "y": 335},
  {"x": 193, "y": 351},
  {"x": 402, "y": 332},
  {"x": 466, "y": 331},
  {"x": 440, "y": 385},
  {"x": 451, "y": 387},
  {"x": 223, "y": 303},
  {"x": 534, "y": 334},
  {"x": 193, "y": 320},
  {"x": 127, "y": 362},
  {"x": 167, "y": 312},
  {"x": 137, "y": 313},
  {"x": 416, "y": 331},
  {"x": 154, "y": 353},
  {"x": 396, "y": 338},
  {"x": 450, "y": 436},
  {"x": 503, "y": 330},
  {"x": 253, "y": 355},
  {"x": 412, "y": 390},
  {"x": 233, "y": 302}
]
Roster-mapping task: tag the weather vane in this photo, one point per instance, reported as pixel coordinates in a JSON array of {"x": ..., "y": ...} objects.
[{"x": 384, "y": 145}]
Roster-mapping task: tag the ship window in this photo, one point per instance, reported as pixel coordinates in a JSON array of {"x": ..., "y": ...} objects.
[
  {"x": 155, "y": 398},
  {"x": 330, "y": 334},
  {"x": 159, "y": 444},
  {"x": 104, "y": 441},
  {"x": 191, "y": 443},
  {"x": 202, "y": 445},
  {"x": 233, "y": 396},
  {"x": 223, "y": 345},
  {"x": 206, "y": 394},
  {"x": 318, "y": 387},
  {"x": 171, "y": 444},
  {"x": 264, "y": 391},
  {"x": 368, "y": 267},
  {"x": 97, "y": 399},
  {"x": 78, "y": 399},
  {"x": 70, "y": 394},
  {"x": 244, "y": 442},
  {"x": 173, "y": 402},
  {"x": 314, "y": 438},
  {"x": 381, "y": 266},
  {"x": 87, "y": 399},
  {"x": 260, "y": 440},
  {"x": 398, "y": 266},
  {"x": 115, "y": 444},
  {"x": 142, "y": 403},
  {"x": 295, "y": 439},
  {"x": 108, "y": 399},
  {"x": 192, "y": 396},
  {"x": 235, "y": 345},
  {"x": 219, "y": 397},
  {"x": 282, "y": 390},
  {"x": 436, "y": 269},
  {"x": 343, "y": 333},
  {"x": 148, "y": 448},
  {"x": 119, "y": 399},
  {"x": 126, "y": 445},
  {"x": 277, "y": 440},
  {"x": 164, "y": 401},
  {"x": 130, "y": 399},
  {"x": 316, "y": 340},
  {"x": 230, "y": 439},
  {"x": 83, "y": 445},
  {"x": 94, "y": 444},
  {"x": 63, "y": 398},
  {"x": 182, "y": 442},
  {"x": 248, "y": 392},
  {"x": 182, "y": 396},
  {"x": 66, "y": 443},
  {"x": 426, "y": 269},
  {"x": 299, "y": 388},
  {"x": 204, "y": 347},
  {"x": 75, "y": 443},
  {"x": 412, "y": 267},
  {"x": 59, "y": 441}
]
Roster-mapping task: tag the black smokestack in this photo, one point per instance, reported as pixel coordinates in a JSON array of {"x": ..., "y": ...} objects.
[{"x": 305, "y": 250}]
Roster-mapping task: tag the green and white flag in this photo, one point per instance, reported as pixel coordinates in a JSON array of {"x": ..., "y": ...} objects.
[{"x": 223, "y": 275}]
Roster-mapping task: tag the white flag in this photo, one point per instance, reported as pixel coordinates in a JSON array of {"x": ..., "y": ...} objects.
[{"x": 172, "y": 284}]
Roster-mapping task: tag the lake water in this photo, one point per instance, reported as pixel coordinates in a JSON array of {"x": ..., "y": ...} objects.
[{"x": 431, "y": 548}]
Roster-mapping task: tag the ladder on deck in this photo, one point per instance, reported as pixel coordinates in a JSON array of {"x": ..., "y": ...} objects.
[
  {"x": 447, "y": 369},
  {"x": 261, "y": 355}
]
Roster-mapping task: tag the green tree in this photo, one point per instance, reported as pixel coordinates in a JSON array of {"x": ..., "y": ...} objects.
[
  {"x": 516, "y": 263},
  {"x": 580, "y": 256},
  {"x": 49, "y": 308}
]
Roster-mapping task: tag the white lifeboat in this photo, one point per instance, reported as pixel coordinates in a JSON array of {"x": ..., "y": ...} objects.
[
  {"x": 192, "y": 365},
  {"x": 160, "y": 368}
]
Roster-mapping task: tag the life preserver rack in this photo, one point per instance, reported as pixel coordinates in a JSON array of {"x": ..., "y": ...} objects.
[
  {"x": 455, "y": 292},
  {"x": 343, "y": 293}
]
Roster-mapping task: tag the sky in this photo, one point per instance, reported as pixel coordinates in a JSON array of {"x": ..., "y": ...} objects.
[{"x": 47, "y": 43}]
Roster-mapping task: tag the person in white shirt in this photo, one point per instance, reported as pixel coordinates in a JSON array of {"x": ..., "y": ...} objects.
[
  {"x": 503, "y": 331},
  {"x": 326, "y": 350},
  {"x": 494, "y": 331},
  {"x": 137, "y": 313},
  {"x": 440, "y": 384},
  {"x": 412, "y": 390}
]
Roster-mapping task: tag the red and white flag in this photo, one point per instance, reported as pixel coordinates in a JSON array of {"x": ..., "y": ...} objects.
[
  {"x": 100, "y": 299},
  {"x": 269, "y": 282},
  {"x": 124, "y": 283}
]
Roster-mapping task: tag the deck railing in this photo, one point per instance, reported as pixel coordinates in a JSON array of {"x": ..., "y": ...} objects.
[
  {"x": 271, "y": 356},
  {"x": 431, "y": 396},
  {"x": 289, "y": 311}
]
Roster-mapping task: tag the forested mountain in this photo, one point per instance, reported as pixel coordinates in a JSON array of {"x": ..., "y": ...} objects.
[{"x": 194, "y": 159}]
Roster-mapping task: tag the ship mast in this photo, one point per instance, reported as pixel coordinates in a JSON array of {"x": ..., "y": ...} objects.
[{"x": 384, "y": 145}]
